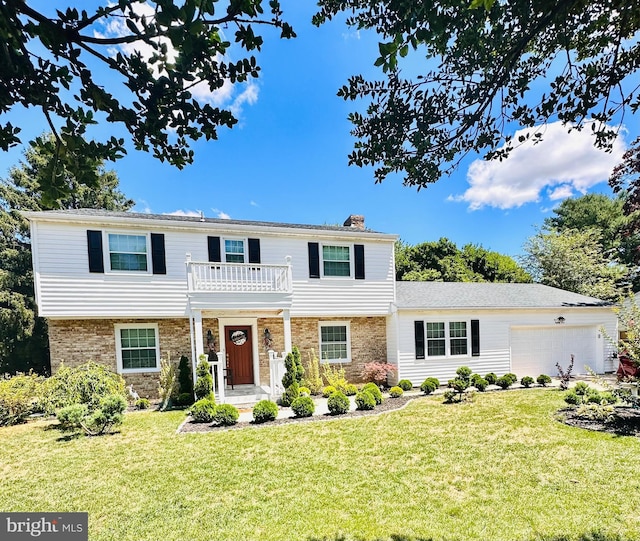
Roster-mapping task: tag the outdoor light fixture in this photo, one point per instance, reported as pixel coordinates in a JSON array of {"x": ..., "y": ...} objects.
[
  {"x": 266, "y": 340},
  {"x": 559, "y": 320},
  {"x": 267, "y": 334}
]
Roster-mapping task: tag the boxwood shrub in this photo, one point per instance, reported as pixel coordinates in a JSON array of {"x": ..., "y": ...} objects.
[
  {"x": 395, "y": 392},
  {"x": 429, "y": 385},
  {"x": 526, "y": 381},
  {"x": 543, "y": 380},
  {"x": 225, "y": 415},
  {"x": 405, "y": 384},
  {"x": 338, "y": 403},
  {"x": 491, "y": 378},
  {"x": 264, "y": 411},
  {"x": 365, "y": 400},
  {"x": 375, "y": 391},
  {"x": 481, "y": 384},
  {"x": 328, "y": 391},
  {"x": 504, "y": 382},
  {"x": 203, "y": 410},
  {"x": 303, "y": 406}
]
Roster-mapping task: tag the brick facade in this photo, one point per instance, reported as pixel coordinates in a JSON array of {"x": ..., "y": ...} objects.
[{"x": 77, "y": 341}]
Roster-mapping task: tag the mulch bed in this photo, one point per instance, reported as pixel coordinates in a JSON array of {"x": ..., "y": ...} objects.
[
  {"x": 388, "y": 404},
  {"x": 626, "y": 421}
]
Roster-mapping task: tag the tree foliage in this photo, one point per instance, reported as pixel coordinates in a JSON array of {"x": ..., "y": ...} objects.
[
  {"x": 161, "y": 52},
  {"x": 443, "y": 261},
  {"x": 23, "y": 336},
  {"x": 573, "y": 260},
  {"x": 489, "y": 66}
]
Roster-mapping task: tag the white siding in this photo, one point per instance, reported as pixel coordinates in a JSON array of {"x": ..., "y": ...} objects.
[
  {"x": 66, "y": 288},
  {"x": 495, "y": 340}
]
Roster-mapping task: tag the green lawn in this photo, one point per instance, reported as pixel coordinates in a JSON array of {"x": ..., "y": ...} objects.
[{"x": 499, "y": 469}]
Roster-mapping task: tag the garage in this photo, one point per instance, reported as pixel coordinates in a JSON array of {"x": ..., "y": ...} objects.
[{"x": 536, "y": 350}]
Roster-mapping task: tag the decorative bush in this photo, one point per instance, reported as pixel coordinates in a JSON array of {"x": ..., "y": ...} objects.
[
  {"x": 335, "y": 376},
  {"x": 303, "y": 406},
  {"x": 203, "y": 410},
  {"x": 71, "y": 417},
  {"x": 185, "y": 380},
  {"x": 396, "y": 392},
  {"x": 294, "y": 369},
  {"x": 365, "y": 400},
  {"x": 610, "y": 398},
  {"x": 143, "y": 403},
  {"x": 328, "y": 391},
  {"x": 464, "y": 373},
  {"x": 527, "y": 381},
  {"x": 94, "y": 423},
  {"x": 168, "y": 386},
  {"x": 18, "y": 397},
  {"x": 375, "y": 391},
  {"x": 313, "y": 379},
  {"x": 581, "y": 388},
  {"x": 512, "y": 377},
  {"x": 543, "y": 380},
  {"x": 565, "y": 373},
  {"x": 474, "y": 378},
  {"x": 184, "y": 399},
  {"x": 350, "y": 389},
  {"x": 572, "y": 398},
  {"x": 338, "y": 403},
  {"x": 264, "y": 411},
  {"x": 596, "y": 412},
  {"x": 451, "y": 396},
  {"x": 491, "y": 378},
  {"x": 291, "y": 393},
  {"x": 204, "y": 382},
  {"x": 225, "y": 415},
  {"x": 405, "y": 384},
  {"x": 504, "y": 382},
  {"x": 304, "y": 391},
  {"x": 86, "y": 384},
  {"x": 459, "y": 385},
  {"x": 377, "y": 372},
  {"x": 592, "y": 397},
  {"x": 429, "y": 385},
  {"x": 481, "y": 384}
]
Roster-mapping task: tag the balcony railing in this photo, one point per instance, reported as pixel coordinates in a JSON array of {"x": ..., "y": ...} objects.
[{"x": 238, "y": 277}]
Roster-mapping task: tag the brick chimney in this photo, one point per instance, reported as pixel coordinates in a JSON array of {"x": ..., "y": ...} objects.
[{"x": 356, "y": 221}]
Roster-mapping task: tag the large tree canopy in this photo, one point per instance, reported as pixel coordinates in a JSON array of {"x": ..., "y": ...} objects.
[
  {"x": 158, "y": 53},
  {"x": 23, "y": 336},
  {"x": 491, "y": 66}
]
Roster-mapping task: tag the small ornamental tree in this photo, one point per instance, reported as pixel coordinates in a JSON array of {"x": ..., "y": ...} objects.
[
  {"x": 377, "y": 372},
  {"x": 294, "y": 369},
  {"x": 204, "y": 383},
  {"x": 184, "y": 376}
]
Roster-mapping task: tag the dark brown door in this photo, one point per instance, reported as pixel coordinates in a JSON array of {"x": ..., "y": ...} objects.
[{"x": 239, "y": 353}]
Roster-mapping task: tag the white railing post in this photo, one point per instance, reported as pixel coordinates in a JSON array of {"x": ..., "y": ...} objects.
[
  {"x": 276, "y": 371},
  {"x": 217, "y": 368}
]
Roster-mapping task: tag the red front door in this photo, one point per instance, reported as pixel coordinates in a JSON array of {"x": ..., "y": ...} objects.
[{"x": 239, "y": 353}]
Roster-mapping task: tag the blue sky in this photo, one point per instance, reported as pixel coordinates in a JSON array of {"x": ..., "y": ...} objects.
[{"x": 287, "y": 158}]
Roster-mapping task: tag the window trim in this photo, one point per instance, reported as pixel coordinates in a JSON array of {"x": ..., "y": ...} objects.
[
  {"x": 351, "y": 261},
  {"x": 117, "y": 328},
  {"x": 245, "y": 250},
  {"x": 343, "y": 323},
  {"x": 107, "y": 252},
  {"x": 447, "y": 339}
]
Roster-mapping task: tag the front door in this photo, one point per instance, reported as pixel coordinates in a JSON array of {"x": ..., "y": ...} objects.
[{"x": 239, "y": 353}]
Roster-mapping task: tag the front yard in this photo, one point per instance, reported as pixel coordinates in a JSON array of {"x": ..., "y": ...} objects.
[{"x": 501, "y": 468}]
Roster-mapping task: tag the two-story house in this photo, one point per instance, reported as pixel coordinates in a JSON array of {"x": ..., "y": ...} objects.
[{"x": 126, "y": 289}]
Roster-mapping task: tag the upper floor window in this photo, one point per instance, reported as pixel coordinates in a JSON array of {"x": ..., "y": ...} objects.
[
  {"x": 234, "y": 251},
  {"x": 336, "y": 260},
  {"x": 128, "y": 252}
]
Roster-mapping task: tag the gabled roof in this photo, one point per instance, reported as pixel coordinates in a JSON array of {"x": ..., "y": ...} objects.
[{"x": 460, "y": 295}]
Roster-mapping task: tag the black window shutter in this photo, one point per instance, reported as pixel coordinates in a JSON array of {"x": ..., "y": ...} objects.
[
  {"x": 254, "y": 250},
  {"x": 158, "y": 260},
  {"x": 314, "y": 260},
  {"x": 419, "y": 333},
  {"x": 475, "y": 338},
  {"x": 213, "y": 244},
  {"x": 94, "y": 246},
  {"x": 358, "y": 250}
]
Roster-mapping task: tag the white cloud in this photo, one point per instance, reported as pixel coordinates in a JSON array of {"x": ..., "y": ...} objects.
[
  {"x": 253, "y": 204},
  {"x": 563, "y": 163},
  {"x": 222, "y": 215},
  {"x": 146, "y": 208},
  {"x": 180, "y": 212}
]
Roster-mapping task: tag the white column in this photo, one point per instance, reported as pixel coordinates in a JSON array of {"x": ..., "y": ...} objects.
[
  {"x": 197, "y": 332},
  {"x": 286, "y": 318}
]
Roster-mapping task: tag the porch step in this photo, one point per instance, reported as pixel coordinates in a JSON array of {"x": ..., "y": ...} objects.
[{"x": 245, "y": 395}]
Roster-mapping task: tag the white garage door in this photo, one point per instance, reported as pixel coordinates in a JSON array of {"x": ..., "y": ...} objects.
[{"x": 536, "y": 351}]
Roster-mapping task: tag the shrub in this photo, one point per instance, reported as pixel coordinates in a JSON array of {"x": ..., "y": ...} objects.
[
  {"x": 581, "y": 388},
  {"x": 512, "y": 377},
  {"x": 350, "y": 389},
  {"x": 328, "y": 391},
  {"x": 94, "y": 423},
  {"x": 71, "y": 417},
  {"x": 526, "y": 381},
  {"x": 543, "y": 380},
  {"x": 264, "y": 411},
  {"x": 429, "y": 385},
  {"x": 335, "y": 376},
  {"x": 464, "y": 373},
  {"x": 451, "y": 396},
  {"x": 491, "y": 378},
  {"x": 459, "y": 385},
  {"x": 185, "y": 380},
  {"x": 18, "y": 397},
  {"x": 377, "y": 372},
  {"x": 291, "y": 393},
  {"x": 481, "y": 384},
  {"x": 313, "y": 379},
  {"x": 365, "y": 401},
  {"x": 203, "y": 410},
  {"x": 168, "y": 383},
  {"x": 572, "y": 398},
  {"x": 504, "y": 382},
  {"x": 396, "y": 392},
  {"x": 295, "y": 370},
  {"x": 592, "y": 397},
  {"x": 474, "y": 378},
  {"x": 610, "y": 397},
  {"x": 565, "y": 375},
  {"x": 405, "y": 385},
  {"x": 86, "y": 384},
  {"x": 596, "y": 412},
  {"x": 338, "y": 403},
  {"x": 303, "y": 406},
  {"x": 204, "y": 382},
  {"x": 225, "y": 415},
  {"x": 375, "y": 392},
  {"x": 184, "y": 399},
  {"x": 304, "y": 391},
  {"x": 143, "y": 403}
]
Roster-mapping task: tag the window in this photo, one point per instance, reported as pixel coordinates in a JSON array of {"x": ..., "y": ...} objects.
[
  {"x": 435, "y": 339},
  {"x": 128, "y": 252},
  {"x": 458, "y": 337},
  {"x": 137, "y": 348},
  {"x": 335, "y": 342},
  {"x": 336, "y": 261},
  {"x": 234, "y": 251}
]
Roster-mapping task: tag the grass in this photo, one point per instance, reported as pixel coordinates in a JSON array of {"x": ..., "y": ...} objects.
[{"x": 499, "y": 469}]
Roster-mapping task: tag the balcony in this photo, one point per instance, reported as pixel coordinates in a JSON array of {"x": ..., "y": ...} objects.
[{"x": 207, "y": 277}]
